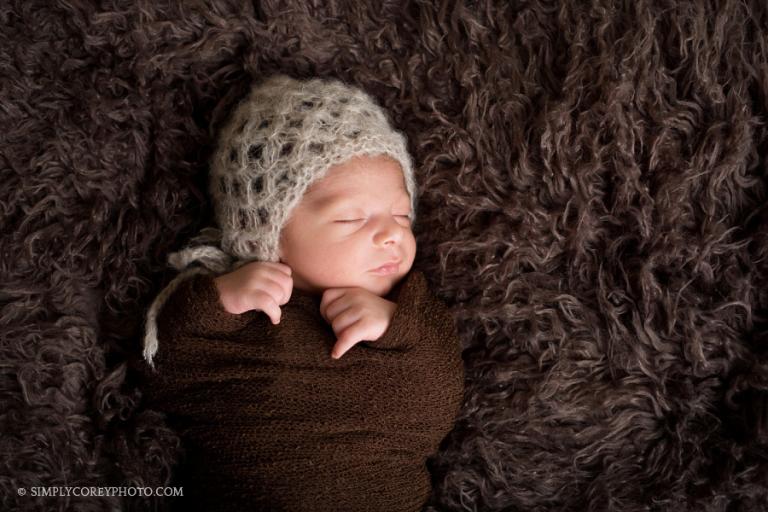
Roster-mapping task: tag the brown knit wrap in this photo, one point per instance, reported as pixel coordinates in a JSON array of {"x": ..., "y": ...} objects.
[{"x": 269, "y": 419}]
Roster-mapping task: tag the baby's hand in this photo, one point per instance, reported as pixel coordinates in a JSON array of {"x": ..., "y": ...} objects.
[
  {"x": 356, "y": 315},
  {"x": 260, "y": 285}
]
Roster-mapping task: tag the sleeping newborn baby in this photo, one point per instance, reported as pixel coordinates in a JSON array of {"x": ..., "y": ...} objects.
[{"x": 303, "y": 362}]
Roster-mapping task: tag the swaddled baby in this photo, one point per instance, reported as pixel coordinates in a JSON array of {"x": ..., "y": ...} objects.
[{"x": 305, "y": 365}]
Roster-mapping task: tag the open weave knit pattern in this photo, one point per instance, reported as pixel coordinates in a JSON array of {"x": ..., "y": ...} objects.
[{"x": 593, "y": 209}]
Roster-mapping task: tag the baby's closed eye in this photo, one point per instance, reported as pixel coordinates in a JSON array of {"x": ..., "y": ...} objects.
[{"x": 361, "y": 220}]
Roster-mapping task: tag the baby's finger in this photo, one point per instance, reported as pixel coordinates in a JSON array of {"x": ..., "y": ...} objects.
[
  {"x": 282, "y": 281},
  {"x": 346, "y": 341},
  {"x": 332, "y": 296},
  {"x": 268, "y": 286},
  {"x": 266, "y": 303},
  {"x": 282, "y": 267},
  {"x": 345, "y": 319},
  {"x": 287, "y": 285}
]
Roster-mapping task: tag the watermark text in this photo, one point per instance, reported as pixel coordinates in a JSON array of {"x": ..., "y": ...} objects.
[{"x": 100, "y": 491}]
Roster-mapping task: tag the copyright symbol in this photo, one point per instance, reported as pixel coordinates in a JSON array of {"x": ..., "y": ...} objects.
[{"x": 22, "y": 491}]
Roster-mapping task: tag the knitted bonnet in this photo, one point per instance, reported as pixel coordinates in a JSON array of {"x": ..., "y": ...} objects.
[{"x": 280, "y": 139}]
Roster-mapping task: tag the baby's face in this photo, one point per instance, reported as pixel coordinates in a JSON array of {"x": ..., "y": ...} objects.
[{"x": 350, "y": 222}]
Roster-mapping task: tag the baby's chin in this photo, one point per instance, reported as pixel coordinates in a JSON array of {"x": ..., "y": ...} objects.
[
  {"x": 382, "y": 285},
  {"x": 377, "y": 285}
]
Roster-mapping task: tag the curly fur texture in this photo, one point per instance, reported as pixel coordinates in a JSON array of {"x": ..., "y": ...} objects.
[{"x": 593, "y": 206}]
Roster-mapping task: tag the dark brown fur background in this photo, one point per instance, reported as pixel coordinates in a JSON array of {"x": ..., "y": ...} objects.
[{"x": 593, "y": 209}]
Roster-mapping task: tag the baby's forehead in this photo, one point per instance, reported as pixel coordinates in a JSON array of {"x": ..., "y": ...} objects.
[
  {"x": 330, "y": 198},
  {"x": 358, "y": 179}
]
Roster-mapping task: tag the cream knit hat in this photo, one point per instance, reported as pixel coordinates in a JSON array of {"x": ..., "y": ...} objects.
[{"x": 280, "y": 139}]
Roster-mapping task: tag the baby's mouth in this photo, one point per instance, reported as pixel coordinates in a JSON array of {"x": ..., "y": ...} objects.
[{"x": 386, "y": 269}]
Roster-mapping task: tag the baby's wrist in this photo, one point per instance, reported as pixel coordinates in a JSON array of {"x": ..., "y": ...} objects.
[{"x": 224, "y": 297}]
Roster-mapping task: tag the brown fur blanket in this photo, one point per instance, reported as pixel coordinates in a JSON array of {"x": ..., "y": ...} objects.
[{"x": 594, "y": 187}]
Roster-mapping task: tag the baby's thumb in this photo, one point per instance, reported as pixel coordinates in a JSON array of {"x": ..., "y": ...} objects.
[
  {"x": 272, "y": 310},
  {"x": 344, "y": 342}
]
